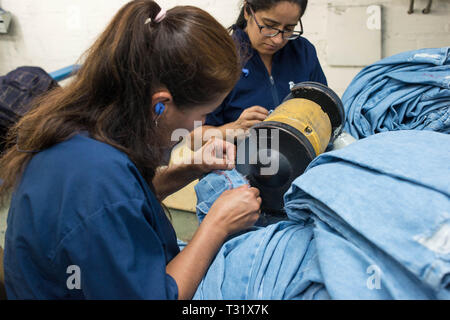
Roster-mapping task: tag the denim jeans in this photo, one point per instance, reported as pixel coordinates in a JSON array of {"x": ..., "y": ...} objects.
[
  {"x": 369, "y": 221},
  {"x": 273, "y": 260},
  {"x": 406, "y": 91},
  {"x": 214, "y": 184},
  {"x": 381, "y": 204}
]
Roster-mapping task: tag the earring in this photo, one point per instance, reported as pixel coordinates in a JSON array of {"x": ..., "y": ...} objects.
[{"x": 159, "y": 110}]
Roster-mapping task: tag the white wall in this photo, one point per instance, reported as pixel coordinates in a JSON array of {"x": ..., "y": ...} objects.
[{"x": 54, "y": 33}]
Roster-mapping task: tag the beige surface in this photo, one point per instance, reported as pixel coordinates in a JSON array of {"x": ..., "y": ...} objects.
[
  {"x": 185, "y": 224},
  {"x": 185, "y": 199},
  {"x": 3, "y": 215},
  {"x": 354, "y": 35}
]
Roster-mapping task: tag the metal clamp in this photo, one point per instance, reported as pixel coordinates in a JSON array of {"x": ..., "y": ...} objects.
[{"x": 426, "y": 10}]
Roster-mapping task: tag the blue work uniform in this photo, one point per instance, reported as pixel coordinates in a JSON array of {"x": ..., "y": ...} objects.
[
  {"x": 296, "y": 62},
  {"x": 84, "y": 224}
]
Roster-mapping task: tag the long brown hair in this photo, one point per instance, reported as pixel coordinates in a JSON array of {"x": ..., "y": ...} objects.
[{"x": 188, "y": 52}]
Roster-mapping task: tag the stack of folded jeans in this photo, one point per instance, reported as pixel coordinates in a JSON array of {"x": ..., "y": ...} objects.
[
  {"x": 370, "y": 221},
  {"x": 410, "y": 90}
]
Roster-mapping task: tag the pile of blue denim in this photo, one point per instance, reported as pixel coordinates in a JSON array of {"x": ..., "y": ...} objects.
[
  {"x": 369, "y": 221},
  {"x": 407, "y": 91}
]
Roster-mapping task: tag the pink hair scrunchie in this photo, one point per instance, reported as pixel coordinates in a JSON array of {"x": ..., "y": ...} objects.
[{"x": 160, "y": 17}]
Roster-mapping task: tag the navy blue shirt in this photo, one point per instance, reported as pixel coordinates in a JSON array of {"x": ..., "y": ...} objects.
[
  {"x": 82, "y": 209},
  {"x": 296, "y": 62}
]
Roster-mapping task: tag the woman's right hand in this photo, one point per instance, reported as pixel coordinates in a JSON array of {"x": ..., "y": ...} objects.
[
  {"x": 251, "y": 116},
  {"x": 235, "y": 210}
]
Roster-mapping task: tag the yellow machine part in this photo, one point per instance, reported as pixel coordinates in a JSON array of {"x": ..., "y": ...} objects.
[
  {"x": 307, "y": 117},
  {"x": 304, "y": 115}
]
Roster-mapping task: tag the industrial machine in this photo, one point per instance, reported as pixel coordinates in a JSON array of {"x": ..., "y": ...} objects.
[{"x": 279, "y": 149}]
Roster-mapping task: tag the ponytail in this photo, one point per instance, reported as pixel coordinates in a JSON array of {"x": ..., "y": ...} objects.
[{"x": 188, "y": 52}]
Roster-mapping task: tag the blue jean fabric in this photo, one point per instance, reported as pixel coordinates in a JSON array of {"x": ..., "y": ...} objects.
[
  {"x": 383, "y": 202},
  {"x": 212, "y": 186},
  {"x": 277, "y": 262},
  {"x": 410, "y": 90},
  {"x": 370, "y": 221},
  {"x": 273, "y": 260}
]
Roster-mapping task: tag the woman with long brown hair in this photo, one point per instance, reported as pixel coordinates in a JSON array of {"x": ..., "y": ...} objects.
[{"x": 85, "y": 220}]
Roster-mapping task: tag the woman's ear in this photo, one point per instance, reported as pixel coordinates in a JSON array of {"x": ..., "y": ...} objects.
[
  {"x": 161, "y": 96},
  {"x": 247, "y": 11},
  {"x": 161, "y": 102}
]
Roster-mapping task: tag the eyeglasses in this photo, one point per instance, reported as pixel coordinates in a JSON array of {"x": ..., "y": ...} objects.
[{"x": 272, "y": 32}]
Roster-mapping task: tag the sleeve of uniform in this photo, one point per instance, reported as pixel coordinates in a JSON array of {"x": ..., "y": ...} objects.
[{"x": 119, "y": 255}]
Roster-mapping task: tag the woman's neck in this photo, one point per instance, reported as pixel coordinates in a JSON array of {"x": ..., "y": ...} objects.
[{"x": 267, "y": 60}]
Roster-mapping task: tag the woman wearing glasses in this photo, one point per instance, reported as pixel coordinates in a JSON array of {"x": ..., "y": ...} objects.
[
  {"x": 268, "y": 34},
  {"x": 85, "y": 220}
]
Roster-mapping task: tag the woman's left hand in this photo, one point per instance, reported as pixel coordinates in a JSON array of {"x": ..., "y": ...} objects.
[{"x": 216, "y": 154}]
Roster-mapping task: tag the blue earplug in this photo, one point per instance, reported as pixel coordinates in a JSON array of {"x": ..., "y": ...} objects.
[
  {"x": 159, "y": 108},
  {"x": 246, "y": 72}
]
